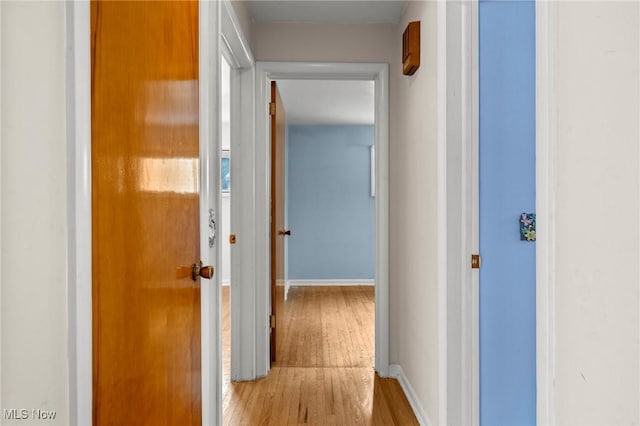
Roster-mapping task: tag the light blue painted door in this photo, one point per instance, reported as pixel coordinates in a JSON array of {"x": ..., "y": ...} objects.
[{"x": 507, "y": 189}]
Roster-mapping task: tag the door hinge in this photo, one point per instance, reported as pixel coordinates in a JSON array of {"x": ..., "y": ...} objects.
[
  {"x": 272, "y": 321},
  {"x": 272, "y": 108},
  {"x": 232, "y": 238},
  {"x": 475, "y": 261}
]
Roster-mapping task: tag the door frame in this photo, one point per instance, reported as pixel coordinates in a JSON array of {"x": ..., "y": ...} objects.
[
  {"x": 379, "y": 73},
  {"x": 545, "y": 28},
  {"x": 242, "y": 290},
  {"x": 78, "y": 108}
]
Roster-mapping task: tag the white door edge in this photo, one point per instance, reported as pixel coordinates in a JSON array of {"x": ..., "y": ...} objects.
[
  {"x": 210, "y": 135},
  {"x": 379, "y": 73},
  {"x": 78, "y": 28},
  {"x": 545, "y": 211}
]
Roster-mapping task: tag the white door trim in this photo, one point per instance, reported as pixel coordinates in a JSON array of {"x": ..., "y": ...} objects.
[
  {"x": 265, "y": 72},
  {"x": 442, "y": 217},
  {"x": 243, "y": 287},
  {"x": 545, "y": 211},
  {"x": 472, "y": 298},
  {"x": 78, "y": 28},
  {"x": 474, "y": 320},
  {"x": 78, "y": 101},
  {"x": 461, "y": 200}
]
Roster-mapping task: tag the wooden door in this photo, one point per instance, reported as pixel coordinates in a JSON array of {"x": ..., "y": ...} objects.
[
  {"x": 145, "y": 230},
  {"x": 278, "y": 123}
]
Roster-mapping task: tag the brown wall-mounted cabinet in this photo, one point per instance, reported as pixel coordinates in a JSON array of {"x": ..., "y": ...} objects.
[{"x": 411, "y": 48}]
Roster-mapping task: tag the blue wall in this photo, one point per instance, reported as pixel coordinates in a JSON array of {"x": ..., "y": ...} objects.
[
  {"x": 329, "y": 208},
  {"x": 507, "y": 188}
]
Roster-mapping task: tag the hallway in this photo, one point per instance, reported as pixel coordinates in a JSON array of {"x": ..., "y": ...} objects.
[{"x": 324, "y": 372}]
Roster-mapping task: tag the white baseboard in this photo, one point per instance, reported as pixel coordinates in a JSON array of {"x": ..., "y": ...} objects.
[
  {"x": 324, "y": 283},
  {"x": 397, "y": 372}
]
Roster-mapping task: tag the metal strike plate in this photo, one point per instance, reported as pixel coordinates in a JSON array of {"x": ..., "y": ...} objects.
[
  {"x": 232, "y": 238},
  {"x": 475, "y": 261}
]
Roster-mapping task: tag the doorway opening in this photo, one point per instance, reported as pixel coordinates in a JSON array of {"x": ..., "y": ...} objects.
[
  {"x": 329, "y": 225},
  {"x": 274, "y": 71}
]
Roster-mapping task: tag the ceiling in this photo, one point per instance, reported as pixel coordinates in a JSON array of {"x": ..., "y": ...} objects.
[
  {"x": 328, "y": 102},
  {"x": 327, "y": 11}
]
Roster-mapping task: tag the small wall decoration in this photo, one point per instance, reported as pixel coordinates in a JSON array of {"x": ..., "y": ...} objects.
[
  {"x": 411, "y": 48},
  {"x": 528, "y": 227}
]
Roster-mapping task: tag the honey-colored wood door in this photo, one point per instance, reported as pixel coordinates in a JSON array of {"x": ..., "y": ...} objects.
[
  {"x": 278, "y": 123},
  {"x": 145, "y": 230}
]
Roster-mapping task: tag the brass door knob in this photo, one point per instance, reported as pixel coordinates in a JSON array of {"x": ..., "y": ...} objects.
[
  {"x": 201, "y": 271},
  {"x": 287, "y": 232}
]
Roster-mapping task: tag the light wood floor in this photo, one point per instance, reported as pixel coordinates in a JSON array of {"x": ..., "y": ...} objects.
[{"x": 324, "y": 372}]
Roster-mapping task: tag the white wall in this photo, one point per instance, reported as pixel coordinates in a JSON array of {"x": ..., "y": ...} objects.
[
  {"x": 34, "y": 352},
  {"x": 597, "y": 207},
  {"x": 324, "y": 42},
  {"x": 244, "y": 19},
  {"x": 413, "y": 212}
]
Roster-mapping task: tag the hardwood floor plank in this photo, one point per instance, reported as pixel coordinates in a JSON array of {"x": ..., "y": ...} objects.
[
  {"x": 270, "y": 392},
  {"x": 324, "y": 373}
]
